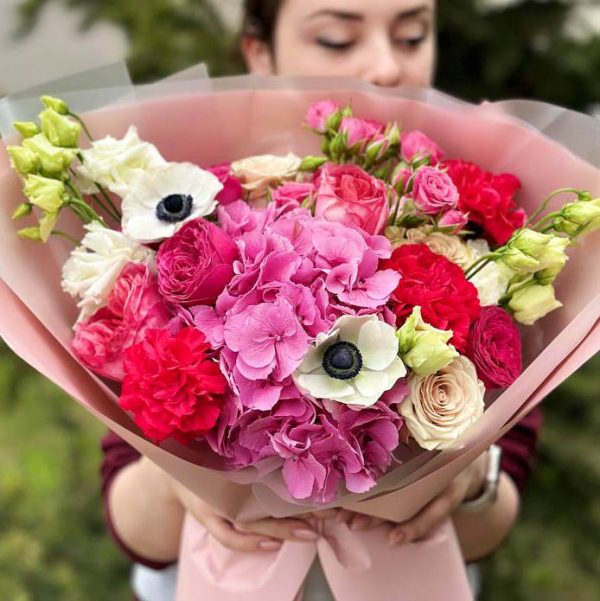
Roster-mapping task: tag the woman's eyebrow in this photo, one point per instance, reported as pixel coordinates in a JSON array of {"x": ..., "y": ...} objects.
[{"x": 411, "y": 13}]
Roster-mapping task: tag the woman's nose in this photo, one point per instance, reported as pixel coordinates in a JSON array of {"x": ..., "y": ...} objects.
[{"x": 383, "y": 66}]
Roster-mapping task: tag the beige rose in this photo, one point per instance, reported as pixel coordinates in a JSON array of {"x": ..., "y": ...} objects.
[
  {"x": 261, "y": 172},
  {"x": 441, "y": 407},
  {"x": 450, "y": 247}
]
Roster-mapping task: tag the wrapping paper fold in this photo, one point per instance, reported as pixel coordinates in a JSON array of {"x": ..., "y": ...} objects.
[{"x": 210, "y": 122}]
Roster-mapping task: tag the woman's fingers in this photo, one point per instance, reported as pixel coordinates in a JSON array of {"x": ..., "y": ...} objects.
[
  {"x": 361, "y": 522},
  {"x": 422, "y": 524},
  {"x": 281, "y": 529},
  {"x": 233, "y": 539}
]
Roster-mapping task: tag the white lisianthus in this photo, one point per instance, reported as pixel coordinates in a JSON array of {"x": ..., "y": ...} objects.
[
  {"x": 354, "y": 363},
  {"x": 93, "y": 267},
  {"x": 114, "y": 164},
  {"x": 440, "y": 407},
  {"x": 533, "y": 302},
  {"x": 493, "y": 280},
  {"x": 161, "y": 200}
]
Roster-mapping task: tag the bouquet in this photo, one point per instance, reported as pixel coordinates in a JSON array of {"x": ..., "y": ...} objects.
[{"x": 311, "y": 328}]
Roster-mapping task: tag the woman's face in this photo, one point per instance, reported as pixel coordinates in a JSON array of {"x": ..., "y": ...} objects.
[{"x": 384, "y": 42}]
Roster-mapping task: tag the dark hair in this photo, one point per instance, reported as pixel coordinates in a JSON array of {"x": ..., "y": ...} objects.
[{"x": 260, "y": 19}]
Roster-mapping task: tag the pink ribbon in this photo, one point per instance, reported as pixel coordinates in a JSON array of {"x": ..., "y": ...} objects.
[{"x": 358, "y": 566}]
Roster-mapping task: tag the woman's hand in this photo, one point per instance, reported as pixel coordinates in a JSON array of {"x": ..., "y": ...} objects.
[{"x": 466, "y": 486}]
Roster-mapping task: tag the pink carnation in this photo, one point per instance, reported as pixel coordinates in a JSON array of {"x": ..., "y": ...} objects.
[
  {"x": 433, "y": 191},
  {"x": 134, "y": 306},
  {"x": 195, "y": 264},
  {"x": 494, "y": 346},
  {"x": 415, "y": 145}
]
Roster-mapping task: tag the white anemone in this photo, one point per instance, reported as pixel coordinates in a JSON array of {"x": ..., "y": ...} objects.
[
  {"x": 163, "y": 199},
  {"x": 354, "y": 363}
]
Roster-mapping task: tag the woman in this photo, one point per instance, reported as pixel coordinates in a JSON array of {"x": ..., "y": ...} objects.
[{"x": 386, "y": 43}]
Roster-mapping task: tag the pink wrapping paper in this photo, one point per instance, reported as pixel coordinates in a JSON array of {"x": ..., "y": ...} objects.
[{"x": 37, "y": 317}]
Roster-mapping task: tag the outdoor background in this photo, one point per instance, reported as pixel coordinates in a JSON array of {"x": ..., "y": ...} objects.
[{"x": 53, "y": 546}]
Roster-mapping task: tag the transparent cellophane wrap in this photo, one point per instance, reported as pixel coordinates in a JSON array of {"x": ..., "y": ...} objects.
[{"x": 190, "y": 117}]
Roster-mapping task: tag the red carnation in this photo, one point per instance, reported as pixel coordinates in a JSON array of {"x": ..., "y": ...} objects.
[
  {"x": 488, "y": 199},
  {"x": 447, "y": 299},
  {"x": 172, "y": 385},
  {"x": 495, "y": 348}
]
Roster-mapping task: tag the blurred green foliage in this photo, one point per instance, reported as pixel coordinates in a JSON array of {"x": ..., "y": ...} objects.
[{"x": 53, "y": 546}]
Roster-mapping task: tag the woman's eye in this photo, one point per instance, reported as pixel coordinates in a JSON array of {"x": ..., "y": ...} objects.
[
  {"x": 334, "y": 45},
  {"x": 411, "y": 43}
]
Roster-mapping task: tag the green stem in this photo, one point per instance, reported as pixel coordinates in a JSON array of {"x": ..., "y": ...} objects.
[
  {"x": 476, "y": 267},
  {"x": 65, "y": 236},
  {"x": 106, "y": 209},
  {"x": 109, "y": 201},
  {"x": 83, "y": 125},
  {"x": 547, "y": 202}
]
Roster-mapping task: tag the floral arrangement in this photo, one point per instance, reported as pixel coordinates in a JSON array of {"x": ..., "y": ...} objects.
[{"x": 308, "y": 315}]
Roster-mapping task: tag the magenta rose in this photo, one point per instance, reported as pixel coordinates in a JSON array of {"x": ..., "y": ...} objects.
[
  {"x": 434, "y": 192},
  {"x": 360, "y": 131},
  {"x": 415, "y": 145},
  {"x": 195, "y": 264},
  {"x": 319, "y": 114},
  {"x": 133, "y": 307},
  {"x": 232, "y": 188},
  {"x": 349, "y": 195},
  {"x": 494, "y": 346}
]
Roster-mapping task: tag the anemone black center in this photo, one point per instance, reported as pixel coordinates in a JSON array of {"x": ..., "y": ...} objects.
[
  {"x": 342, "y": 361},
  {"x": 174, "y": 208}
]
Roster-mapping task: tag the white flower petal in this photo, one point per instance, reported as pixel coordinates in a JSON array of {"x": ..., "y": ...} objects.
[
  {"x": 371, "y": 383},
  {"x": 321, "y": 386},
  {"x": 378, "y": 344}
]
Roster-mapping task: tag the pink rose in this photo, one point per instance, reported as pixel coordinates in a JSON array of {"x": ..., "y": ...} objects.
[
  {"x": 361, "y": 131},
  {"x": 134, "y": 306},
  {"x": 291, "y": 195},
  {"x": 232, "y": 188},
  {"x": 195, "y": 264},
  {"x": 494, "y": 346},
  {"x": 415, "y": 145},
  {"x": 349, "y": 195},
  {"x": 454, "y": 221},
  {"x": 319, "y": 114},
  {"x": 433, "y": 191}
]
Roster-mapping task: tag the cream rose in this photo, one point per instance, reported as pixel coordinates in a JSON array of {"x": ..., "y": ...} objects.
[
  {"x": 261, "y": 172},
  {"x": 441, "y": 407},
  {"x": 450, "y": 247}
]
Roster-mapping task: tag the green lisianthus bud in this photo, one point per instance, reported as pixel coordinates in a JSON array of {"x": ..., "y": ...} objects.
[
  {"x": 47, "y": 223},
  {"x": 23, "y": 210},
  {"x": 27, "y": 129},
  {"x": 30, "y": 233},
  {"x": 54, "y": 160},
  {"x": 45, "y": 193},
  {"x": 532, "y": 303},
  {"x": 23, "y": 160},
  {"x": 423, "y": 348},
  {"x": 312, "y": 163},
  {"x": 519, "y": 261},
  {"x": 60, "y": 130},
  {"x": 56, "y": 104},
  {"x": 530, "y": 251},
  {"x": 579, "y": 217}
]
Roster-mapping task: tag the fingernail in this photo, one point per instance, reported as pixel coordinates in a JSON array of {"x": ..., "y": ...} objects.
[
  {"x": 397, "y": 538},
  {"x": 360, "y": 522},
  {"x": 305, "y": 534},
  {"x": 269, "y": 545}
]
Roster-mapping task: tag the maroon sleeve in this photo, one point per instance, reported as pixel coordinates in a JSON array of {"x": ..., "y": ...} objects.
[
  {"x": 519, "y": 447},
  {"x": 117, "y": 454}
]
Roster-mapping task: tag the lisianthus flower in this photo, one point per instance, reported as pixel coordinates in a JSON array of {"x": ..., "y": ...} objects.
[
  {"x": 93, "y": 267},
  {"x": 354, "y": 363},
  {"x": 161, "y": 200},
  {"x": 440, "y": 407},
  {"x": 115, "y": 163},
  {"x": 185, "y": 406}
]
